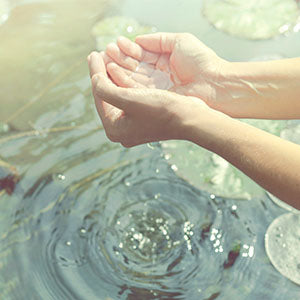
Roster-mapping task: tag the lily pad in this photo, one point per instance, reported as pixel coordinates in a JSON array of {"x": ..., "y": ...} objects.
[
  {"x": 254, "y": 19},
  {"x": 282, "y": 243},
  {"x": 107, "y": 30}
]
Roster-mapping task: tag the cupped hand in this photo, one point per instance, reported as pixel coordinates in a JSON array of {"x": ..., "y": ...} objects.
[
  {"x": 133, "y": 116},
  {"x": 193, "y": 68}
]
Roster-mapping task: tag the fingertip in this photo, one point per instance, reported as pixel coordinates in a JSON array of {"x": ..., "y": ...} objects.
[
  {"x": 93, "y": 54},
  {"x": 121, "y": 38},
  {"x": 138, "y": 38},
  {"x": 111, "y": 46}
]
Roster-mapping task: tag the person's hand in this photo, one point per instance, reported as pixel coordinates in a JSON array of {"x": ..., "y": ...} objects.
[
  {"x": 133, "y": 116},
  {"x": 194, "y": 68}
]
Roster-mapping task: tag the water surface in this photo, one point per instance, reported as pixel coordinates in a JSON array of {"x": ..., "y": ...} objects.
[{"x": 89, "y": 219}]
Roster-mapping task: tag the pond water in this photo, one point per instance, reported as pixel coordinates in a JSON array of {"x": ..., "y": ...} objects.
[{"x": 88, "y": 219}]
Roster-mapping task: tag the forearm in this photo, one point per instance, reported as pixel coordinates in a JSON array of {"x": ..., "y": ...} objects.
[
  {"x": 268, "y": 90},
  {"x": 270, "y": 161}
]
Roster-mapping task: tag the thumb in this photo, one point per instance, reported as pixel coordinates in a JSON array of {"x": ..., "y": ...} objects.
[
  {"x": 105, "y": 90},
  {"x": 161, "y": 42}
]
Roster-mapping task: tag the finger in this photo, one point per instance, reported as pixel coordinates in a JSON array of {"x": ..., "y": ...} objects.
[
  {"x": 136, "y": 51},
  {"x": 113, "y": 51},
  {"x": 96, "y": 64},
  {"x": 122, "y": 77},
  {"x": 161, "y": 42},
  {"x": 106, "y": 58},
  {"x": 144, "y": 78},
  {"x": 105, "y": 90}
]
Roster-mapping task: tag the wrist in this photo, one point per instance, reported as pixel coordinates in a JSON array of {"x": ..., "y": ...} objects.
[
  {"x": 203, "y": 125},
  {"x": 239, "y": 89}
]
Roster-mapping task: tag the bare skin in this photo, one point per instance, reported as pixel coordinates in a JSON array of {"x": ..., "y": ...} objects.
[{"x": 207, "y": 91}]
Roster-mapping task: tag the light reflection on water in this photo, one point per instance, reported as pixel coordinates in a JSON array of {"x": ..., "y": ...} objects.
[{"x": 91, "y": 220}]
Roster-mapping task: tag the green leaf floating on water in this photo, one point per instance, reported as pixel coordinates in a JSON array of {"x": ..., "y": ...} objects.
[
  {"x": 282, "y": 243},
  {"x": 107, "y": 30},
  {"x": 208, "y": 171},
  {"x": 254, "y": 19}
]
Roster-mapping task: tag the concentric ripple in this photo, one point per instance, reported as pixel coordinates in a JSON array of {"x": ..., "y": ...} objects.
[
  {"x": 150, "y": 235},
  {"x": 120, "y": 224}
]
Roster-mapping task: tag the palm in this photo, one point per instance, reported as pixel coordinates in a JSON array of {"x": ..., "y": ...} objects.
[{"x": 181, "y": 70}]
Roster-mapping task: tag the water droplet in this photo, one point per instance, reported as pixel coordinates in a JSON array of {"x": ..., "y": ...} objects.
[
  {"x": 217, "y": 243},
  {"x": 61, "y": 177},
  {"x": 251, "y": 251},
  {"x": 167, "y": 156},
  {"x": 212, "y": 196},
  {"x": 82, "y": 230},
  {"x": 174, "y": 168},
  {"x": 129, "y": 29}
]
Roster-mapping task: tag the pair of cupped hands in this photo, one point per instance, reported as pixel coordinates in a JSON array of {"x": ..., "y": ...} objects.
[{"x": 132, "y": 109}]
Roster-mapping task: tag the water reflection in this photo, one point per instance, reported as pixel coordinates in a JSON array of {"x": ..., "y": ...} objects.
[
  {"x": 93, "y": 229},
  {"x": 91, "y": 220}
]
